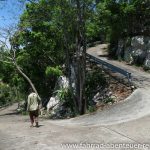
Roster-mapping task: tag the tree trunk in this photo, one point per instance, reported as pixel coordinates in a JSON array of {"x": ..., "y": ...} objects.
[
  {"x": 68, "y": 62},
  {"x": 81, "y": 58},
  {"x": 26, "y": 77}
]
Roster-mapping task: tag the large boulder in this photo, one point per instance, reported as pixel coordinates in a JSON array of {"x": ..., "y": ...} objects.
[
  {"x": 147, "y": 61},
  {"x": 138, "y": 42},
  {"x": 147, "y": 47},
  {"x": 56, "y": 107},
  {"x": 53, "y": 104},
  {"x": 62, "y": 82},
  {"x": 139, "y": 51},
  {"x": 135, "y": 50}
]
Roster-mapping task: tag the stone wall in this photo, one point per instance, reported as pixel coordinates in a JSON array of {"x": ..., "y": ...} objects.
[{"x": 135, "y": 50}]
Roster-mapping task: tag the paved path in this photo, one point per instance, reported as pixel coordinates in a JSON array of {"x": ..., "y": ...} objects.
[
  {"x": 15, "y": 133},
  {"x": 126, "y": 123},
  {"x": 139, "y": 77}
]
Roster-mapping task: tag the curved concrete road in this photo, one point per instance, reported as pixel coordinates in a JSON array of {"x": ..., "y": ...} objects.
[
  {"x": 127, "y": 122},
  {"x": 136, "y": 106},
  {"x": 140, "y": 78}
]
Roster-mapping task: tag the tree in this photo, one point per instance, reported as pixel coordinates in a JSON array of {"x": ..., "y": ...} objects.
[
  {"x": 124, "y": 18},
  {"x": 74, "y": 19},
  {"x": 40, "y": 38},
  {"x": 51, "y": 33},
  {"x": 8, "y": 54},
  {"x": 81, "y": 56}
]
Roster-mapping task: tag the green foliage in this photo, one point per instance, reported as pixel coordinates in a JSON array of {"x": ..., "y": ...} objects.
[
  {"x": 53, "y": 71},
  {"x": 12, "y": 85},
  {"x": 108, "y": 100},
  {"x": 48, "y": 30},
  {"x": 7, "y": 94},
  {"x": 119, "y": 19},
  {"x": 66, "y": 97},
  {"x": 6, "y": 72},
  {"x": 18, "y": 82},
  {"x": 63, "y": 94},
  {"x": 95, "y": 80},
  {"x": 91, "y": 108},
  {"x": 4, "y": 95},
  {"x": 24, "y": 59},
  {"x": 39, "y": 44}
]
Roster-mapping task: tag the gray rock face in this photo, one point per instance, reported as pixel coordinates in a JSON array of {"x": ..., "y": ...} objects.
[
  {"x": 147, "y": 61},
  {"x": 56, "y": 107},
  {"x": 135, "y": 50}
]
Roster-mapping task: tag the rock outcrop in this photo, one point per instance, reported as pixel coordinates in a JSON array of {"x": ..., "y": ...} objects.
[
  {"x": 135, "y": 50},
  {"x": 56, "y": 107}
]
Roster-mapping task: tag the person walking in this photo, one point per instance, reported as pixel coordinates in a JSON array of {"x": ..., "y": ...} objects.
[{"x": 33, "y": 105}]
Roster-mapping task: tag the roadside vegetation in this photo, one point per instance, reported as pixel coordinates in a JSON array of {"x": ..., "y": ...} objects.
[{"x": 52, "y": 36}]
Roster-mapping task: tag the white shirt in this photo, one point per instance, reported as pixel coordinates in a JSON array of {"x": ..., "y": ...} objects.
[{"x": 33, "y": 102}]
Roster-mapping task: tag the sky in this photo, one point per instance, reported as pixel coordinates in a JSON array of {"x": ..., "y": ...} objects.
[{"x": 10, "y": 10}]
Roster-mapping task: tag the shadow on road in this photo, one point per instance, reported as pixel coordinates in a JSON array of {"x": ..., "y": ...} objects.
[
  {"x": 11, "y": 113},
  {"x": 103, "y": 55}
]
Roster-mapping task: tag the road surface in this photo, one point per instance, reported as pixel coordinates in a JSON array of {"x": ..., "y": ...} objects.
[{"x": 126, "y": 123}]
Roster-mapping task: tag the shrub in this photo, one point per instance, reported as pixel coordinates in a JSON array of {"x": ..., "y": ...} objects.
[
  {"x": 66, "y": 96},
  {"x": 53, "y": 71},
  {"x": 95, "y": 80},
  {"x": 7, "y": 94}
]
